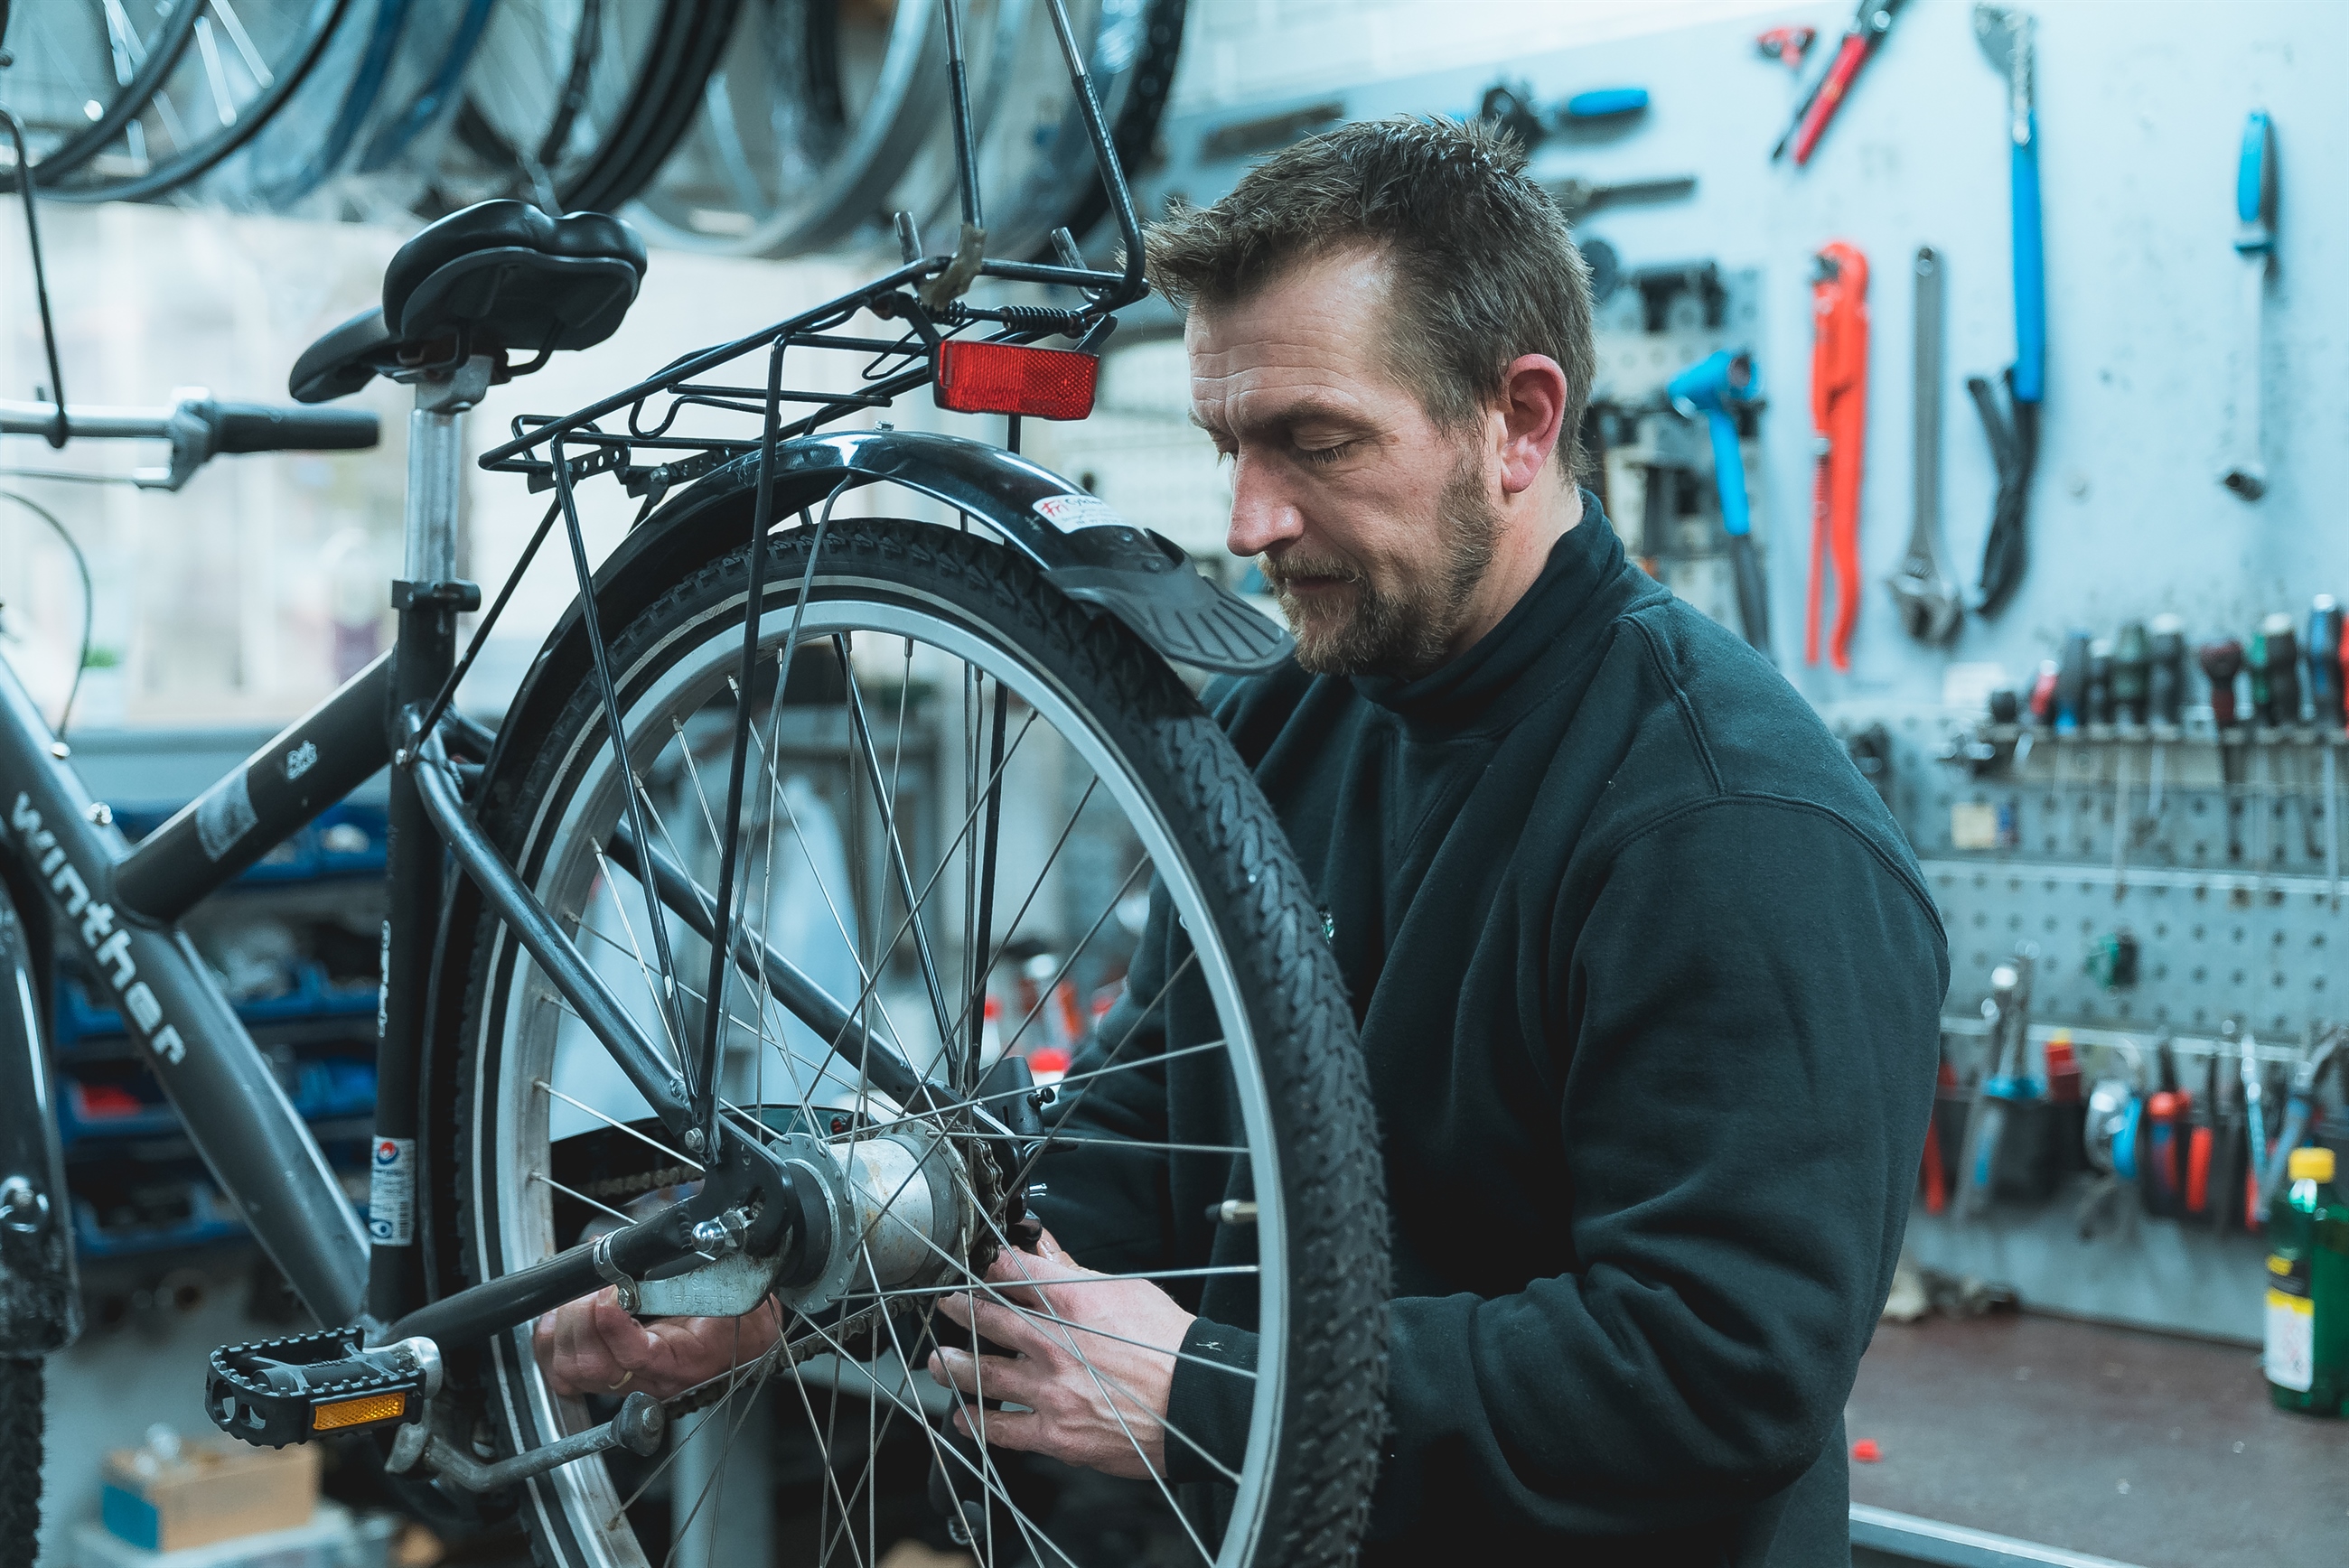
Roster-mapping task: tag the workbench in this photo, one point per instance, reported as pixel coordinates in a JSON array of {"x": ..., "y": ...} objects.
[{"x": 2147, "y": 1448}]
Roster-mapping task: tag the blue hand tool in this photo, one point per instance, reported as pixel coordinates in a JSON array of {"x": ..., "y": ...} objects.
[
  {"x": 2005, "y": 37},
  {"x": 1715, "y": 387},
  {"x": 2255, "y": 209}
]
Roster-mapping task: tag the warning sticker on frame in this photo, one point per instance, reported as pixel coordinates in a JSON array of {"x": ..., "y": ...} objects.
[
  {"x": 1070, "y": 512},
  {"x": 391, "y": 1192}
]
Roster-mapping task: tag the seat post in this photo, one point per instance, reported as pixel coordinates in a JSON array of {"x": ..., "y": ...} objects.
[
  {"x": 428, "y": 598},
  {"x": 436, "y": 470}
]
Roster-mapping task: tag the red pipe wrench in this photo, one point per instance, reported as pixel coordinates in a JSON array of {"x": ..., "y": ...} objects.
[{"x": 1838, "y": 426}]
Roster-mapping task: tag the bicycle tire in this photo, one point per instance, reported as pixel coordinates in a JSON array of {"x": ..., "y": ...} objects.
[
  {"x": 775, "y": 146},
  {"x": 1132, "y": 119},
  {"x": 49, "y": 86},
  {"x": 530, "y": 81},
  {"x": 1131, "y": 57},
  {"x": 1304, "y": 1498},
  {"x": 25, "y": 962},
  {"x": 20, "y": 1462},
  {"x": 293, "y": 45},
  {"x": 659, "y": 111}
]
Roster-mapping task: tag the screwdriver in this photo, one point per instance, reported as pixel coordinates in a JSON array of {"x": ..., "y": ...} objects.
[
  {"x": 2099, "y": 699},
  {"x": 2072, "y": 683},
  {"x": 2042, "y": 703},
  {"x": 2166, "y": 680},
  {"x": 2221, "y": 662},
  {"x": 2281, "y": 666},
  {"x": 2325, "y": 655},
  {"x": 2225, "y": 1172},
  {"x": 2198, "y": 1139},
  {"x": 2255, "y": 660},
  {"x": 2131, "y": 668}
]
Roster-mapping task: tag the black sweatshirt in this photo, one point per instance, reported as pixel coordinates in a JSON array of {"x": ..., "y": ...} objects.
[{"x": 1649, "y": 988}]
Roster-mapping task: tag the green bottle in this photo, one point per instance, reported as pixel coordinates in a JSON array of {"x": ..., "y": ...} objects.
[{"x": 2307, "y": 1359}]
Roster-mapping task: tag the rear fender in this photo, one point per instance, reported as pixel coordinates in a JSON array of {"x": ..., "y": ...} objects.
[{"x": 1083, "y": 547}]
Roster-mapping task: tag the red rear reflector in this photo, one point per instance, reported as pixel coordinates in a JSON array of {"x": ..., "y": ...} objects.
[{"x": 1012, "y": 378}]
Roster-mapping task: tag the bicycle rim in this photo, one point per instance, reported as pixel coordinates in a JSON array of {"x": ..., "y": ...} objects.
[
  {"x": 232, "y": 71},
  {"x": 803, "y": 130},
  {"x": 531, "y": 1081}
]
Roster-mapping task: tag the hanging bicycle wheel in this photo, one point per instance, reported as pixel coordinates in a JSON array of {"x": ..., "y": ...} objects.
[
  {"x": 1045, "y": 175},
  {"x": 963, "y": 787},
  {"x": 1006, "y": 43},
  {"x": 137, "y": 97},
  {"x": 806, "y": 126},
  {"x": 574, "y": 104}
]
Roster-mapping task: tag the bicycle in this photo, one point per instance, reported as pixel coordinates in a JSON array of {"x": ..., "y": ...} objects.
[{"x": 563, "y": 1107}]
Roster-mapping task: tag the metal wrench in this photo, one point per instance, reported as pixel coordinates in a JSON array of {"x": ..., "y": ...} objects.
[{"x": 1930, "y": 606}]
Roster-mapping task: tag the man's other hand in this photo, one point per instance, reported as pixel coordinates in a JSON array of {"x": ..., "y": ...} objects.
[
  {"x": 592, "y": 1346},
  {"x": 1092, "y": 1399}
]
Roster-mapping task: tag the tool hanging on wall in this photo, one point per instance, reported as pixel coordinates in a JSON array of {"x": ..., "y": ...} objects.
[
  {"x": 1930, "y": 606},
  {"x": 1839, "y": 427},
  {"x": 2005, "y": 37},
  {"x": 1860, "y": 40},
  {"x": 1510, "y": 107},
  {"x": 2246, "y": 472},
  {"x": 1717, "y": 387},
  {"x": 1787, "y": 45}
]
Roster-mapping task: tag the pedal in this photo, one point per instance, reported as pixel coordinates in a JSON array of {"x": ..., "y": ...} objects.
[{"x": 281, "y": 1391}]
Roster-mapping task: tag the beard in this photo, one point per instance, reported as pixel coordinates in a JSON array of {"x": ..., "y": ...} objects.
[{"x": 1404, "y": 631}]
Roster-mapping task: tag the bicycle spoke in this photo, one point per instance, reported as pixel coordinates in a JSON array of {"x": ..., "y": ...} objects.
[
  {"x": 544, "y": 1180},
  {"x": 618, "y": 1126},
  {"x": 1070, "y": 962},
  {"x": 714, "y": 1489},
  {"x": 895, "y": 846},
  {"x": 1036, "y": 886},
  {"x": 617, "y": 735},
  {"x": 914, "y": 1410},
  {"x": 619, "y": 907},
  {"x": 995, "y": 1294}
]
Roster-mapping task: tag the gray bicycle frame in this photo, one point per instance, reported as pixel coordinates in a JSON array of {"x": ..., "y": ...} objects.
[{"x": 121, "y": 904}]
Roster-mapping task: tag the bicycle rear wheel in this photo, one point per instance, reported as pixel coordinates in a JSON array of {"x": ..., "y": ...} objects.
[{"x": 934, "y": 676}]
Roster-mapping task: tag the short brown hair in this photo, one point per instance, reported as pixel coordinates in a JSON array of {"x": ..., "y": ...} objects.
[{"x": 1484, "y": 267}]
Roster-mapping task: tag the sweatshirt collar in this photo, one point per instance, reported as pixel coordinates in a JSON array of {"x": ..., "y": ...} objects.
[{"x": 1560, "y": 620}]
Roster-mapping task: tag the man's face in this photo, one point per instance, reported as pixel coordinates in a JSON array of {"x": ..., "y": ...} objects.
[{"x": 1373, "y": 523}]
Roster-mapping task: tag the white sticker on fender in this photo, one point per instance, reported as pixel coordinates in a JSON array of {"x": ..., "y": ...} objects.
[
  {"x": 391, "y": 1192},
  {"x": 1070, "y": 512}
]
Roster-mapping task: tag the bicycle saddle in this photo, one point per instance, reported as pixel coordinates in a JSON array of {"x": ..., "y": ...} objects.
[{"x": 499, "y": 276}]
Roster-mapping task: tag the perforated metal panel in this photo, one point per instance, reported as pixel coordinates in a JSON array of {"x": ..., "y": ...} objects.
[{"x": 2220, "y": 867}]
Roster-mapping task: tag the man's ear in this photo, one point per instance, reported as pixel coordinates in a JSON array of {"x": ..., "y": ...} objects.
[{"x": 1532, "y": 409}]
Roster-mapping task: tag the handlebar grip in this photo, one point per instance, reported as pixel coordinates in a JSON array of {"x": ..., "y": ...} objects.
[{"x": 258, "y": 428}]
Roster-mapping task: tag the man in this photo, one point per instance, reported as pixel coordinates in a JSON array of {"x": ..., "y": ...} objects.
[{"x": 1647, "y": 982}]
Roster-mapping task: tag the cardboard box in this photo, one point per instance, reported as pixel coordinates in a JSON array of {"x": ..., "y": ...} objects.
[
  {"x": 206, "y": 1493},
  {"x": 334, "y": 1538}
]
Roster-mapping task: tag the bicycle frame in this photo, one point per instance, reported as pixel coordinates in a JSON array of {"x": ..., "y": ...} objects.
[{"x": 122, "y": 903}]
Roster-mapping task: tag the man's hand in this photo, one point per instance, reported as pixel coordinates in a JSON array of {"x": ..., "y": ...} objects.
[
  {"x": 592, "y": 1346},
  {"x": 1092, "y": 1400}
]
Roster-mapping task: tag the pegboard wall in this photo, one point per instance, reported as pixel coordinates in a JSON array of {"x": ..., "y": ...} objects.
[
  {"x": 2140, "y": 110},
  {"x": 2225, "y": 875}
]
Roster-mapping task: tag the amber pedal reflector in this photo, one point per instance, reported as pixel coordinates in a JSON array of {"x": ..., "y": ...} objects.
[
  {"x": 1013, "y": 378},
  {"x": 359, "y": 1412}
]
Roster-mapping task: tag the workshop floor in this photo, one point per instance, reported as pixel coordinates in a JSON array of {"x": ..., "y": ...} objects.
[{"x": 2153, "y": 1450}]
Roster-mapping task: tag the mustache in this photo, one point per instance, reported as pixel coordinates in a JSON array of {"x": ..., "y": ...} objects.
[{"x": 1280, "y": 573}]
